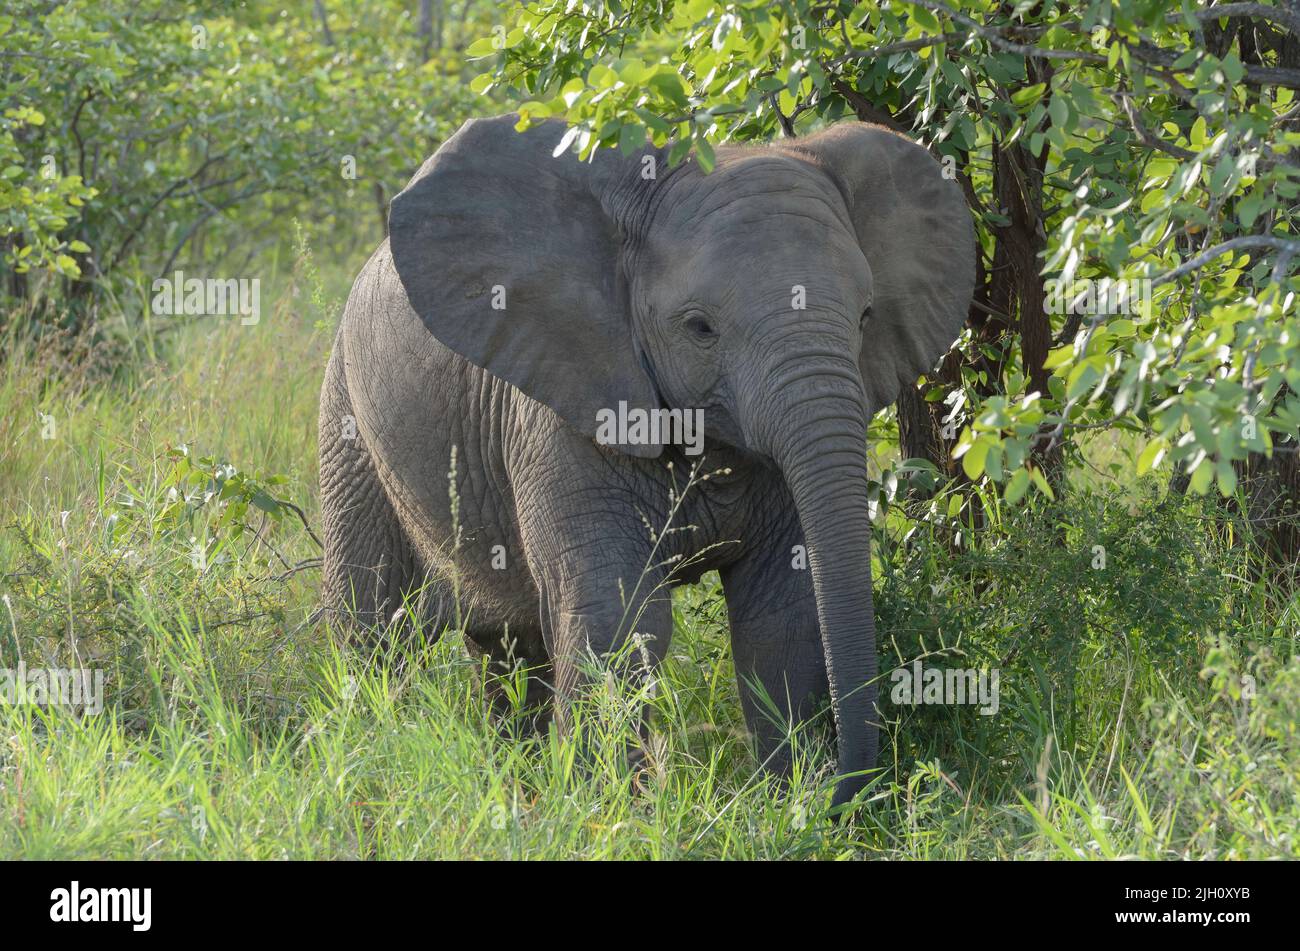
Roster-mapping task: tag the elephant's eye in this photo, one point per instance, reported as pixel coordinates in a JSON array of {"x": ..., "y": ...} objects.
[{"x": 698, "y": 326}]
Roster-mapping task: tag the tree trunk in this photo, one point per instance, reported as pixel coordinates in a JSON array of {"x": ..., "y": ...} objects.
[
  {"x": 919, "y": 432},
  {"x": 1018, "y": 291},
  {"x": 430, "y": 27},
  {"x": 1271, "y": 488},
  {"x": 321, "y": 15}
]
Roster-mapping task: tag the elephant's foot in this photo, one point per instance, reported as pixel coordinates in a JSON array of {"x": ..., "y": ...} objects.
[{"x": 517, "y": 682}]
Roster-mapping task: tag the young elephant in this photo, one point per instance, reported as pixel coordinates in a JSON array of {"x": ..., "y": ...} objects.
[{"x": 525, "y": 303}]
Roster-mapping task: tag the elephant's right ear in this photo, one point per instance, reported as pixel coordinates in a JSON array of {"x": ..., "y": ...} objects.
[
  {"x": 510, "y": 259},
  {"x": 917, "y": 234}
]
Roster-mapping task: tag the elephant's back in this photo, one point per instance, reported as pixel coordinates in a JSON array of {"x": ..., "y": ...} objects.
[
  {"x": 415, "y": 402},
  {"x": 399, "y": 377}
]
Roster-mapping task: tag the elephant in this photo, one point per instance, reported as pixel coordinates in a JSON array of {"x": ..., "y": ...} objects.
[{"x": 526, "y": 299}]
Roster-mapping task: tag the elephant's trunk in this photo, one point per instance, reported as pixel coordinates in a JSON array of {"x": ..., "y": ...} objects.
[{"x": 820, "y": 446}]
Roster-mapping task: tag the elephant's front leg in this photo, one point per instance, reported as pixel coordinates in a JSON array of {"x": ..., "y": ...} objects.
[
  {"x": 776, "y": 640},
  {"x": 595, "y": 622},
  {"x": 598, "y": 622},
  {"x": 603, "y": 603}
]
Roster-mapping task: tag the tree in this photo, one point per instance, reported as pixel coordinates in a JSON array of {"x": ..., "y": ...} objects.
[
  {"x": 1129, "y": 163},
  {"x": 140, "y": 137}
]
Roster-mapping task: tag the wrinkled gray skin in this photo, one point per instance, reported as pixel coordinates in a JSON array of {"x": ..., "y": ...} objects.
[{"x": 674, "y": 290}]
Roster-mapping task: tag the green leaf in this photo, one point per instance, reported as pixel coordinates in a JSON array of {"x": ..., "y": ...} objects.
[
  {"x": 1152, "y": 199},
  {"x": 566, "y": 140},
  {"x": 1151, "y": 455},
  {"x": 1028, "y": 95},
  {"x": 1017, "y": 487},
  {"x": 1201, "y": 477},
  {"x": 972, "y": 461},
  {"x": 484, "y": 46},
  {"x": 1058, "y": 357},
  {"x": 1059, "y": 110},
  {"x": 265, "y": 503},
  {"x": 1040, "y": 481},
  {"x": 572, "y": 90},
  {"x": 669, "y": 85},
  {"x": 1248, "y": 208},
  {"x": 704, "y": 154},
  {"x": 925, "y": 19},
  {"x": 1226, "y": 476},
  {"x": 630, "y": 138},
  {"x": 993, "y": 462}
]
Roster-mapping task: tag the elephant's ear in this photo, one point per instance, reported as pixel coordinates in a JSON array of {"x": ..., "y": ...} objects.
[
  {"x": 917, "y": 235},
  {"x": 510, "y": 259}
]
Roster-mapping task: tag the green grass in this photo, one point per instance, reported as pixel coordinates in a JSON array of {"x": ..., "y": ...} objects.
[{"x": 235, "y": 727}]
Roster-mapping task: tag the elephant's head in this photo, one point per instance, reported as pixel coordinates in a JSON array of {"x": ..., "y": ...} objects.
[{"x": 790, "y": 294}]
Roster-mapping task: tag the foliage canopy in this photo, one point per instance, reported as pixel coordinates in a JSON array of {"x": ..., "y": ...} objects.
[{"x": 1103, "y": 145}]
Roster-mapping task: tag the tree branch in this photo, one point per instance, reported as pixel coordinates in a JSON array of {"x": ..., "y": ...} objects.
[
  {"x": 1289, "y": 247},
  {"x": 1145, "y": 136},
  {"x": 1288, "y": 19},
  {"x": 1145, "y": 52}
]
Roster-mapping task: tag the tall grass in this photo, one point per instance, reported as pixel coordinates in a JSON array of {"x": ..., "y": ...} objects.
[{"x": 1148, "y": 707}]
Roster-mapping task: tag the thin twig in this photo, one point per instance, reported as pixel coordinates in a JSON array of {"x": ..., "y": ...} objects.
[
  {"x": 301, "y": 566},
  {"x": 1145, "y": 135},
  {"x": 302, "y": 518}
]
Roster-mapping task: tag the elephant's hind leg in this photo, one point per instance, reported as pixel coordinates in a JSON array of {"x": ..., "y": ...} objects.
[{"x": 371, "y": 571}]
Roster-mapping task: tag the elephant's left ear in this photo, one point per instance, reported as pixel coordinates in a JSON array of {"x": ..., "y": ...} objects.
[{"x": 917, "y": 235}]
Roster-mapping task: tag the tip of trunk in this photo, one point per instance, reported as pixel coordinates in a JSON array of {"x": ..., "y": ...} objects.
[{"x": 845, "y": 789}]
